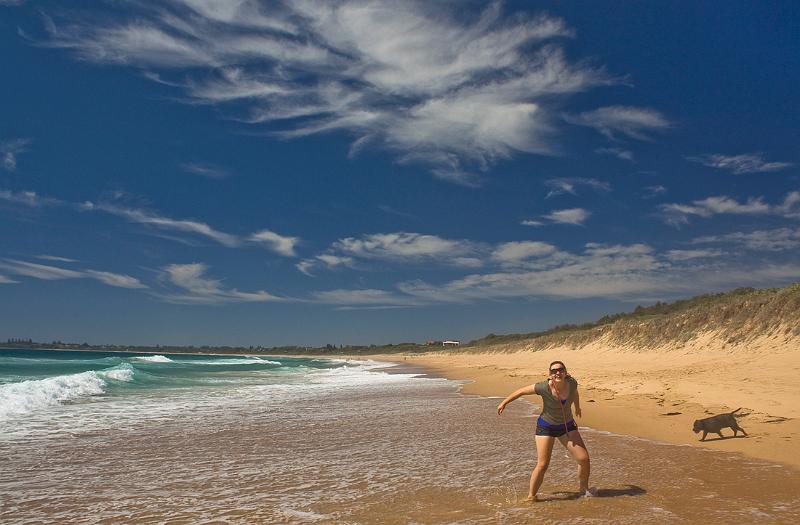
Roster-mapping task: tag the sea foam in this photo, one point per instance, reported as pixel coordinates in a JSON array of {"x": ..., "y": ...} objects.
[
  {"x": 249, "y": 360},
  {"x": 153, "y": 358},
  {"x": 29, "y": 396}
]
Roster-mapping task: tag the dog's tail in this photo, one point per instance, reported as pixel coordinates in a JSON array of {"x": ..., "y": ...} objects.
[{"x": 734, "y": 411}]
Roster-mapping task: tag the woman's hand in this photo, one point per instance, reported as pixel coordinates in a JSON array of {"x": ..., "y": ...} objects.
[
  {"x": 578, "y": 411},
  {"x": 501, "y": 407}
]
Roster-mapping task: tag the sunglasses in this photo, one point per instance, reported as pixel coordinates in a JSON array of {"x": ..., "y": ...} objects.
[{"x": 558, "y": 370}]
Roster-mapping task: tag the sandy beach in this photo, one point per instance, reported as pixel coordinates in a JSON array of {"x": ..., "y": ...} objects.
[
  {"x": 246, "y": 439},
  {"x": 657, "y": 393}
]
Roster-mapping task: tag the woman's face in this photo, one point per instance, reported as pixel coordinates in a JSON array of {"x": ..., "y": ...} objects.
[{"x": 558, "y": 372}]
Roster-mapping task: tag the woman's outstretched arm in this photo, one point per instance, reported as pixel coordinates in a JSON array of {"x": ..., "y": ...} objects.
[{"x": 524, "y": 391}]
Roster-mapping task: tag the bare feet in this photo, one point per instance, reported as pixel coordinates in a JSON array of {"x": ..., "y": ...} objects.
[
  {"x": 529, "y": 499},
  {"x": 589, "y": 493}
]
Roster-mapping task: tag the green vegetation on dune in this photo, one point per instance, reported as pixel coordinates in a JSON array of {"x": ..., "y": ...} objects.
[{"x": 736, "y": 316}]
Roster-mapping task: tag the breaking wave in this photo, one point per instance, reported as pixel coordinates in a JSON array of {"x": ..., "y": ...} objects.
[{"x": 32, "y": 395}]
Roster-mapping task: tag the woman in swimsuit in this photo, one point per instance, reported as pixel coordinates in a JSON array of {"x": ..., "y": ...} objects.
[{"x": 559, "y": 393}]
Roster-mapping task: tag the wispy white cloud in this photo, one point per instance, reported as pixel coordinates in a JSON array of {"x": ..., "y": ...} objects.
[
  {"x": 403, "y": 245},
  {"x": 280, "y": 244},
  {"x": 519, "y": 251},
  {"x": 365, "y": 297},
  {"x": 562, "y": 185},
  {"x": 620, "y": 153},
  {"x": 738, "y": 164},
  {"x": 652, "y": 191},
  {"x": 421, "y": 79},
  {"x": 55, "y": 258},
  {"x": 194, "y": 287},
  {"x": 777, "y": 239},
  {"x": 7, "y": 280},
  {"x": 677, "y": 214},
  {"x": 611, "y": 271},
  {"x": 685, "y": 255},
  {"x": 54, "y": 273},
  {"x": 39, "y": 271},
  {"x": 283, "y": 245},
  {"x": 397, "y": 247},
  {"x": 28, "y": 198},
  {"x": 9, "y": 151},
  {"x": 616, "y": 121},
  {"x": 576, "y": 216},
  {"x": 388, "y": 209},
  {"x": 204, "y": 169},
  {"x": 115, "y": 279},
  {"x": 531, "y": 222},
  {"x": 326, "y": 260},
  {"x": 167, "y": 223}
]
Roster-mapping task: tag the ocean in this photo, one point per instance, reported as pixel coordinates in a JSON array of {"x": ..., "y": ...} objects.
[{"x": 93, "y": 437}]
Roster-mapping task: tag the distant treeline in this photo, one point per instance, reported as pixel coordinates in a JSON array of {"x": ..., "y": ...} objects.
[{"x": 328, "y": 349}]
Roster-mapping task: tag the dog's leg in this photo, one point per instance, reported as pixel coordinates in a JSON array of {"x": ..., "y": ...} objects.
[
  {"x": 705, "y": 433},
  {"x": 720, "y": 434}
]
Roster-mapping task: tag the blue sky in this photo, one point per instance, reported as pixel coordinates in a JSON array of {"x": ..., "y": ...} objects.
[{"x": 245, "y": 172}]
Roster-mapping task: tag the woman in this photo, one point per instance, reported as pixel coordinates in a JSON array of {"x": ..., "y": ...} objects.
[{"x": 559, "y": 392}]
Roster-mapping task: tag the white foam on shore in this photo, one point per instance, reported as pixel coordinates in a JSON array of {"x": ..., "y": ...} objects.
[
  {"x": 153, "y": 358},
  {"x": 237, "y": 361},
  {"x": 29, "y": 396},
  {"x": 359, "y": 374}
]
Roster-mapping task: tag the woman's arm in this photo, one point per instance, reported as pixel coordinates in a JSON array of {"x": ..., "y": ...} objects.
[
  {"x": 577, "y": 402},
  {"x": 524, "y": 391}
]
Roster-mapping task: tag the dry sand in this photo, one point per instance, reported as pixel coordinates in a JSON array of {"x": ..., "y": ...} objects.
[{"x": 657, "y": 393}]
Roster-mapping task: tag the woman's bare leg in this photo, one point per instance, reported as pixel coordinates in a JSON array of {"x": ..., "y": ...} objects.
[
  {"x": 544, "y": 449},
  {"x": 575, "y": 445}
]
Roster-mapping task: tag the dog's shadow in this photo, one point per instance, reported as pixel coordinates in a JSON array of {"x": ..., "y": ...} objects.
[
  {"x": 740, "y": 436},
  {"x": 629, "y": 490}
]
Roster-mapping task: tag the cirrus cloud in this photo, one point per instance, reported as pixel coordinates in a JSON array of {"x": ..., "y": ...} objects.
[
  {"x": 9, "y": 151},
  {"x": 195, "y": 287},
  {"x": 738, "y": 164},
  {"x": 678, "y": 214},
  {"x": 614, "y": 121},
  {"x": 452, "y": 92},
  {"x": 55, "y": 273}
]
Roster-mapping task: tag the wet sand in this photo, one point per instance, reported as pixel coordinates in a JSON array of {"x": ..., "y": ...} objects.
[{"x": 657, "y": 394}]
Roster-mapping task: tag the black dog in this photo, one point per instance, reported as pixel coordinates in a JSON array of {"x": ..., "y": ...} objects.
[{"x": 717, "y": 423}]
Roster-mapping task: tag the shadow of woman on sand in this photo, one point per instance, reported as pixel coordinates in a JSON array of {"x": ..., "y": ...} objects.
[{"x": 629, "y": 490}]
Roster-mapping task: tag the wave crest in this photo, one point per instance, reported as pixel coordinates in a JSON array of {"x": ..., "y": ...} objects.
[
  {"x": 32, "y": 395},
  {"x": 153, "y": 358}
]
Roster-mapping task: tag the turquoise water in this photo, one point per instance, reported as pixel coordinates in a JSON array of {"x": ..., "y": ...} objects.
[{"x": 33, "y": 381}]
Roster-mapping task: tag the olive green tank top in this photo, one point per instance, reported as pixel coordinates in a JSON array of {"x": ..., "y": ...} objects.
[{"x": 551, "y": 407}]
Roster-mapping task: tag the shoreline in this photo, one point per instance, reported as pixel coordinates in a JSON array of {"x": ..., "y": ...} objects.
[{"x": 655, "y": 395}]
